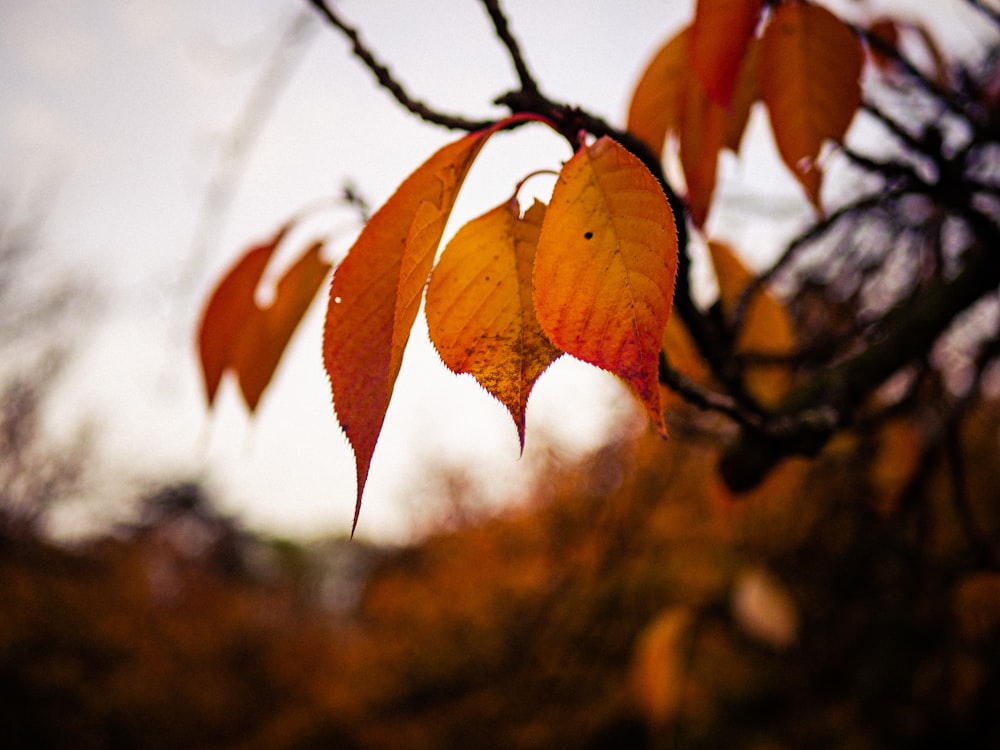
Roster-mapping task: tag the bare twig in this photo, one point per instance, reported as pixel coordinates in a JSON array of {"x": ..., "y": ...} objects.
[
  {"x": 528, "y": 83},
  {"x": 387, "y": 81},
  {"x": 991, "y": 13}
]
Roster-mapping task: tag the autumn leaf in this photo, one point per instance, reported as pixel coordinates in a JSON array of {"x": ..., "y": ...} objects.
[
  {"x": 376, "y": 292},
  {"x": 721, "y": 34},
  {"x": 809, "y": 79},
  {"x": 237, "y": 334},
  {"x": 658, "y": 98},
  {"x": 605, "y": 267},
  {"x": 479, "y": 307},
  {"x": 767, "y": 328},
  {"x": 669, "y": 99}
]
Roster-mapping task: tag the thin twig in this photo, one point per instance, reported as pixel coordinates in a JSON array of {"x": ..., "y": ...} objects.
[
  {"x": 528, "y": 83},
  {"x": 387, "y": 81},
  {"x": 990, "y": 13},
  {"x": 815, "y": 232},
  {"x": 702, "y": 397}
]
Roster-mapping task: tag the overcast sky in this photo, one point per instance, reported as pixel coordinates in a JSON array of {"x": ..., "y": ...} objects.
[{"x": 125, "y": 110}]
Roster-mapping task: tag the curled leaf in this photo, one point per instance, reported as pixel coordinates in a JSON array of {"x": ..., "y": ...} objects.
[
  {"x": 605, "y": 267},
  {"x": 480, "y": 313}
]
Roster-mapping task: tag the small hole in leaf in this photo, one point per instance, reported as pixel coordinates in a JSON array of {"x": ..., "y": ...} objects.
[
  {"x": 337, "y": 300},
  {"x": 588, "y": 235}
]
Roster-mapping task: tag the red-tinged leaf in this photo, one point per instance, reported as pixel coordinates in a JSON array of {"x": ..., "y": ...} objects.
[
  {"x": 605, "y": 267},
  {"x": 669, "y": 99},
  {"x": 747, "y": 92},
  {"x": 809, "y": 78},
  {"x": 479, "y": 308},
  {"x": 375, "y": 295},
  {"x": 228, "y": 309},
  {"x": 264, "y": 342},
  {"x": 887, "y": 33},
  {"x": 721, "y": 33},
  {"x": 658, "y": 98},
  {"x": 700, "y": 137}
]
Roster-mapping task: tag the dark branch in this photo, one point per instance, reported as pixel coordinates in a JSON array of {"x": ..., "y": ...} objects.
[
  {"x": 528, "y": 83},
  {"x": 387, "y": 81},
  {"x": 990, "y": 13}
]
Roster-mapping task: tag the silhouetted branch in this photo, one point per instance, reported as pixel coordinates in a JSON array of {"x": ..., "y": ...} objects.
[
  {"x": 990, "y": 13},
  {"x": 528, "y": 83},
  {"x": 387, "y": 81}
]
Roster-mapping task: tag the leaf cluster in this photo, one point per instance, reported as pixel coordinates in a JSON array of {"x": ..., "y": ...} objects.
[{"x": 597, "y": 272}]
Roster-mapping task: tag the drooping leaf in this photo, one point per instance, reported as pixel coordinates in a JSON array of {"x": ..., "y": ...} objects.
[
  {"x": 480, "y": 311},
  {"x": 238, "y": 334},
  {"x": 227, "y": 311},
  {"x": 605, "y": 267},
  {"x": 700, "y": 136},
  {"x": 669, "y": 99},
  {"x": 376, "y": 290},
  {"x": 809, "y": 79},
  {"x": 766, "y": 330},
  {"x": 746, "y": 94},
  {"x": 658, "y": 98},
  {"x": 258, "y": 359},
  {"x": 721, "y": 33}
]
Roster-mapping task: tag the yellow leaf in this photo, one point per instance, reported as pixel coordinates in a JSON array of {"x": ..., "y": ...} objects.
[
  {"x": 670, "y": 99},
  {"x": 809, "y": 79},
  {"x": 480, "y": 312},
  {"x": 605, "y": 267},
  {"x": 767, "y": 328}
]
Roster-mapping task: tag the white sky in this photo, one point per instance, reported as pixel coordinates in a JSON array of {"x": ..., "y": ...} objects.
[{"x": 124, "y": 106}]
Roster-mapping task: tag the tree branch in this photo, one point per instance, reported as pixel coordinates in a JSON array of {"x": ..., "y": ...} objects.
[
  {"x": 387, "y": 81},
  {"x": 528, "y": 83},
  {"x": 990, "y": 13}
]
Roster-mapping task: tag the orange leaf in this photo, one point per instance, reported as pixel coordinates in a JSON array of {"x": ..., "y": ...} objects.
[
  {"x": 810, "y": 66},
  {"x": 721, "y": 32},
  {"x": 658, "y": 668},
  {"x": 605, "y": 267},
  {"x": 479, "y": 309},
  {"x": 747, "y": 92},
  {"x": 886, "y": 31},
  {"x": 375, "y": 294},
  {"x": 669, "y": 99},
  {"x": 700, "y": 138},
  {"x": 258, "y": 359},
  {"x": 235, "y": 333},
  {"x": 658, "y": 98},
  {"x": 766, "y": 329}
]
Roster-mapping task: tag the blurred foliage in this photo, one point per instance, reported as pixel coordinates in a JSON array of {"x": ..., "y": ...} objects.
[{"x": 631, "y": 601}]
